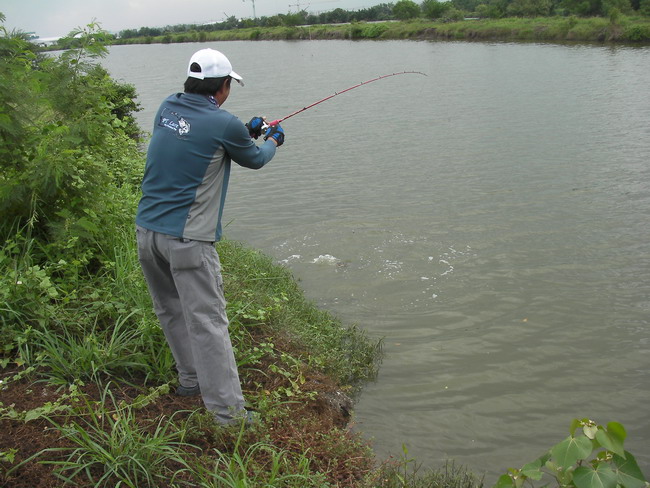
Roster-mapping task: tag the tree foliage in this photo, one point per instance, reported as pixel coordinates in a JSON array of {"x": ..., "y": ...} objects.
[
  {"x": 644, "y": 7},
  {"x": 433, "y": 9},
  {"x": 406, "y": 9},
  {"x": 529, "y": 8},
  {"x": 68, "y": 152}
]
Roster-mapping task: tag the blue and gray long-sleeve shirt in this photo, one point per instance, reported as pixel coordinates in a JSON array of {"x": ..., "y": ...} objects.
[{"x": 188, "y": 166}]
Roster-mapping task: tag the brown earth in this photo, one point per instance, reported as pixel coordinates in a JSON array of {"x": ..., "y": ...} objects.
[{"x": 317, "y": 423}]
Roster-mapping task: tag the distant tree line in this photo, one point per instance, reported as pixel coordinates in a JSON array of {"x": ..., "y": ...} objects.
[
  {"x": 380, "y": 12},
  {"x": 408, "y": 10}
]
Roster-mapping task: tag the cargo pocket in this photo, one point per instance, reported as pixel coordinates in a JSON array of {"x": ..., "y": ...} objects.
[{"x": 186, "y": 255}]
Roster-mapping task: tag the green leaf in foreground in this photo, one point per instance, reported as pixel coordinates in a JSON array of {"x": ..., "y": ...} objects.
[
  {"x": 629, "y": 473},
  {"x": 593, "y": 460},
  {"x": 504, "y": 481},
  {"x": 571, "y": 450},
  {"x": 601, "y": 477},
  {"x": 533, "y": 470},
  {"x": 612, "y": 438}
]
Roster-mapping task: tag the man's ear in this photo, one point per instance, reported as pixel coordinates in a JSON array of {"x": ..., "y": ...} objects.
[
  {"x": 225, "y": 85},
  {"x": 223, "y": 91}
]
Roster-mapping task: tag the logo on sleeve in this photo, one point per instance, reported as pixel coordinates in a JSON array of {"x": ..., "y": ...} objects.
[{"x": 174, "y": 121}]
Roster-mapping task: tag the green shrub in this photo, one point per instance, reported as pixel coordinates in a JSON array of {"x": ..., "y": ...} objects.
[
  {"x": 453, "y": 15},
  {"x": 373, "y": 31},
  {"x": 69, "y": 170},
  {"x": 59, "y": 162},
  {"x": 433, "y": 9},
  {"x": 595, "y": 458},
  {"x": 406, "y": 9},
  {"x": 644, "y": 7},
  {"x": 637, "y": 33}
]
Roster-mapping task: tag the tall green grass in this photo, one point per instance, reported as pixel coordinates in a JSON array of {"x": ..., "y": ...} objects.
[
  {"x": 407, "y": 473},
  {"x": 110, "y": 448},
  {"x": 260, "y": 465},
  {"x": 65, "y": 356}
]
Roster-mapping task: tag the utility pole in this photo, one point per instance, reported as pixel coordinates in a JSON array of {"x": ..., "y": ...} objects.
[
  {"x": 253, "y": 1},
  {"x": 309, "y": 4}
]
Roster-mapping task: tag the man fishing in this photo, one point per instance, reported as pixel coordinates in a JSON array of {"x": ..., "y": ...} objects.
[{"x": 178, "y": 221}]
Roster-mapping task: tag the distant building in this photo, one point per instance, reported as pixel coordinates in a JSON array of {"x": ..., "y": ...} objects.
[{"x": 44, "y": 41}]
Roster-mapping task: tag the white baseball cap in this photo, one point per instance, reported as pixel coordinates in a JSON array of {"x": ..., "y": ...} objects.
[{"x": 213, "y": 64}]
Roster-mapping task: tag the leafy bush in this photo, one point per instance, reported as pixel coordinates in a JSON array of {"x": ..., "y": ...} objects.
[
  {"x": 595, "y": 458},
  {"x": 69, "y": 167},
  {"x": 372, "y": 31},
  {"x": 362, "y": 30},
  {"x": 637, "y": 33},
  {"x": 453, "y": 15},
  {"x": 68, "y": 150},
  {"x": 433, "y": 9},
  {"x": 406, "y": 9}
]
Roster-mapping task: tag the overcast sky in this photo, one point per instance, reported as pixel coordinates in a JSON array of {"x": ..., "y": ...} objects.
[{"x": 50, "y": 18}]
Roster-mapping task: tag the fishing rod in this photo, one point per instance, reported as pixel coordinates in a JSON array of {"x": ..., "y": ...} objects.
[{"x": 277, "y": 121}]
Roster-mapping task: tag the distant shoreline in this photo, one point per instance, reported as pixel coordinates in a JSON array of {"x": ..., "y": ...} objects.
[{"x": 632, "y": 30}]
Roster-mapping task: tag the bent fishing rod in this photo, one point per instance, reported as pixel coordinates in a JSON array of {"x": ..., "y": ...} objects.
[{"x": 277, "y": 121}]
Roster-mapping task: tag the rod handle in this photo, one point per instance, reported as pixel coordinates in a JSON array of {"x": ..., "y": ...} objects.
[{"x": 266, "y": 125}]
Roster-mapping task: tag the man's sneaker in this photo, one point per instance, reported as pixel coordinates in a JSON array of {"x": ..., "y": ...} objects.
[
  {"x": 246, "y": 417},
  {"x": 252, "y": 418},
  {"x": 188, "y": 391}
]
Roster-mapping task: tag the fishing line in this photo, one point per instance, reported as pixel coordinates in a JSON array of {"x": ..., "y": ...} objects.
[{"x": 277, "y": 121}]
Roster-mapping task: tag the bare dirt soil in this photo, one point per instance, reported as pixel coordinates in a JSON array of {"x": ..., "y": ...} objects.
[{"x": 316, "y": 424}]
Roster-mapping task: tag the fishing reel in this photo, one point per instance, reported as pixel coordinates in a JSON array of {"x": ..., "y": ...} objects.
[{"x": 266, "y": 125}]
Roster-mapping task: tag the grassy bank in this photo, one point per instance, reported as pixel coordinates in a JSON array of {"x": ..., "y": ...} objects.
[
  {"x": 93, "y": 405},
  {"x": 620, "y": 29}
]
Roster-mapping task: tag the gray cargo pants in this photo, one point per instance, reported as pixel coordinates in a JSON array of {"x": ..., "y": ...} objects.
[{"x": 185, "y": 283}]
